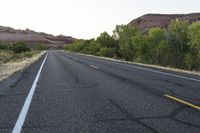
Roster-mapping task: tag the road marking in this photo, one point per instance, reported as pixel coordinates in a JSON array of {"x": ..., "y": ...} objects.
[
  {"x": 94, "y": 67},
  {"x": 25, "y": 108},
  {"x": 146, "y": 69},
  {"x": 164, "y": 73},
  {"x": 182, "y": 101}
]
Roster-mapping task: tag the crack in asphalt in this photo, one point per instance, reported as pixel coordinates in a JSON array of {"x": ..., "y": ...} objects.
[
  {"x": 171, "y": 116},
  {"x": 175, "y": 83},
  {"x": 130, "y": 117},
  {"x": 142, "y": 86},
  {"x": 82, "y": 85},
  {"x": 175, "y": 112},
  {"x": 150, "y": 90},
  {"x": 169, "y": 81},
  {"x": 126, "y": 80},
  {"x": 43, "y": 126},
  {"x": 71, "y": 73},
  {"x": 88, "y": 86},
  {"x": 186, "y": 123},
  {"x": 112, "y": 120},
  {"x": 12, "y": 95}
]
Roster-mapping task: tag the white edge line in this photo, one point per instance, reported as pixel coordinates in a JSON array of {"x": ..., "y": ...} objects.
[
  {"x": 20, "y": 121},
  {"x": 146, "y": 69},
  {"x": 164, "y": 73}
]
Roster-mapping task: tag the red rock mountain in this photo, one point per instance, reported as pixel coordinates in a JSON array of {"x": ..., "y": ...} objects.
[
  {"x": 145, "y": 22},
  {"x": 32, "y": 37}
]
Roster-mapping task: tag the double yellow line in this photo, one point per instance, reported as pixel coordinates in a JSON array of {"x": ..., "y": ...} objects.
[{"x": 182, "y": 101}]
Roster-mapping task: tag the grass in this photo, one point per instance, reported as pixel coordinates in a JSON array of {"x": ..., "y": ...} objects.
[{"x": 9, "y": 56}]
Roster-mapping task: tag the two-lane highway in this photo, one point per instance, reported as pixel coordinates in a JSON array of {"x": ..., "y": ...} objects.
[{"x": 76, "y": 93}]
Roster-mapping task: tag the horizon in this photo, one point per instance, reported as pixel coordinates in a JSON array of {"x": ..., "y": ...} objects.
[{"x": 86, "y": 19}]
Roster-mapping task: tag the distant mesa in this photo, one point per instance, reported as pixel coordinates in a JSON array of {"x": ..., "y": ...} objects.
[
  {"x": 145, "y": 22},
  {"x": 32, "y": 37}
]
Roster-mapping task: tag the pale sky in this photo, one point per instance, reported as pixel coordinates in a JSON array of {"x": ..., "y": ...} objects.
[{"x": 84, "y": 18}]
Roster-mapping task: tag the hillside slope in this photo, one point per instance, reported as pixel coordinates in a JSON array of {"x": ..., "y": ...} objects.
[
  {"x": 145, "y": 22},
  {"x": 32, "y": 37}
]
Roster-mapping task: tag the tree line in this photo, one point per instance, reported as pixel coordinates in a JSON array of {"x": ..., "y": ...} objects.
[{"x": 176, "y": 46}]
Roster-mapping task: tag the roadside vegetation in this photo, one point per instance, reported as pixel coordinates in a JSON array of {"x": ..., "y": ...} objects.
[
  {"x": 177, "y": 46},
  {"x": 16, "y": 51},
  {"x": 15, "y": 57}
]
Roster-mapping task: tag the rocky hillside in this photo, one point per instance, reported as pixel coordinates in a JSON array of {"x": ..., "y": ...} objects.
[
  {"x": 33, "y": 37},
  {"x": 145, "y": 22}
]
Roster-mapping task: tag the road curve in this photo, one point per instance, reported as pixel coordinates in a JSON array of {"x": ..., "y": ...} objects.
[{"x": 76, "y": 93}]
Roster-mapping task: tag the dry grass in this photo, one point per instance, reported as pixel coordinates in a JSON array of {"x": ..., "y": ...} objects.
[
  {"x": 8, "y": 56},
  {"x": 5, "y": 56},
  {"x": 12, "y": 63}
]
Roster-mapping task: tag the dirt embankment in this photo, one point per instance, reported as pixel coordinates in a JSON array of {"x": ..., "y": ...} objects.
[{"x": 11, "y": 67}]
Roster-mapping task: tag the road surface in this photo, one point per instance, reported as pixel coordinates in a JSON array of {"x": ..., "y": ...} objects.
[{"x": 76, "y": 93}]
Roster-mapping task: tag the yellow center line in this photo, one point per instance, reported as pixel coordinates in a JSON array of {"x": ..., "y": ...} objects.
[
  {"x": 182, "y": 101},
  {"x": 94, "y": 67}
]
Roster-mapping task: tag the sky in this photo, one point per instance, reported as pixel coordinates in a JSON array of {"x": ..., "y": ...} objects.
[{"x": 84, "y": 19}]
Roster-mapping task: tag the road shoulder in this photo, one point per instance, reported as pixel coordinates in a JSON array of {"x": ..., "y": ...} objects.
[
  {"x": 11, "y": 68},
  {"x": 195, "y": 73},
  {"x": 11, "y": 72}
]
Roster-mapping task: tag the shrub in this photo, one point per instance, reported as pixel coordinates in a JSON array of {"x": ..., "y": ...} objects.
[
  {"x": 20, "y": 47},
  {"x": 108, "y": 52},
  {"x": 5, "y": 46},
  {"x": 41, "y": 47}
]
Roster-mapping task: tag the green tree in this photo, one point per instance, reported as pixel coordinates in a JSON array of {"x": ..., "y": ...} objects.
[
  {"x": 91, "y": 47},
  {"x": 106, "y": 40},
  {"x": 77, "y": 46},
  {"x": 157, "y": 46},
  {"x": 139, "y": 45},
  {"x": 123, "y": 35},
  {"x": 193, "y": 56},
  {"x": 178, "y": 39},
  {"x": 177, "y": 46}
]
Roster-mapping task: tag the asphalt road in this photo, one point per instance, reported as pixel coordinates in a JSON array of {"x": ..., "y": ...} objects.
[{"x": 76, "y": 93}]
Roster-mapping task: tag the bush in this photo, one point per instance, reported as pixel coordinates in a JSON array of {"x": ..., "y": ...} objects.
[
  {"x": 107, "y": 52},
  {"x": 20, "y": 47},
  {"x": 41, "y": 47},
  {"x": 5, "y": 46}
]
